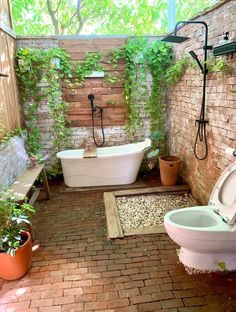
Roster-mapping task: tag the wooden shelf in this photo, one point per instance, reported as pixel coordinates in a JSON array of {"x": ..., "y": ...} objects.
[{"x": 225, "y": 49}]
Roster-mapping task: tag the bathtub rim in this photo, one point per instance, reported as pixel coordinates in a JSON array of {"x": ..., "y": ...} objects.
[{"x": 146, "y": 146}]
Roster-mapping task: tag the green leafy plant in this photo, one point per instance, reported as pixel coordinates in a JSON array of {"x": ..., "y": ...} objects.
[
  {"x": 158, "y": 140},
  {"x": 105, "y": 16},
  {"x": 159, "y": 58},
  {"x": 218, "y": 64},
  {"x": 91, "y": 63},
  {"x": 222, "y": 266},
  {"x": 175, "y": 72},
  {"x": 13, "y": 218},
  {"x": 142, "y": 58},
  {"x": 129, "y": 53},
  {"x": 40, "y": 73},
  {"x": 7, "y": 135},
  {"x": 112, "y": 79}
]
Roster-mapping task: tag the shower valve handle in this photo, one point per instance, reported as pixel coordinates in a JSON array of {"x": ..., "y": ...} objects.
[{"x": 201, "y": 121}]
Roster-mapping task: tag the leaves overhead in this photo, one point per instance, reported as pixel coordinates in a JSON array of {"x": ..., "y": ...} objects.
[{"x": 138, "y": 17}]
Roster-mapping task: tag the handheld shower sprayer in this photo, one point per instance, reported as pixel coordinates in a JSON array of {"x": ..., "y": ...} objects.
[{"x": 195, "y": 57}]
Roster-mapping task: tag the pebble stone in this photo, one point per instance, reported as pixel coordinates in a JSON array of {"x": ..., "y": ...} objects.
[{"x": 149, "y": 210}]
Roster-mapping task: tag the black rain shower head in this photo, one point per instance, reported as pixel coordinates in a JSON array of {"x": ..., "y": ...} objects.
[
  {"x": 174, "y": 39},
  {"x": 194, "y": 56}
]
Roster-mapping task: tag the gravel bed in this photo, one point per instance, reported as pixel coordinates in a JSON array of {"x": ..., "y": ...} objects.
[{"x": 149, "y": 210}]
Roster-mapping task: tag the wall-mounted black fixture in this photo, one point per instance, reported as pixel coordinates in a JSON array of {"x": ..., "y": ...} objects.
[
  {"x": 3, "y": 75},
  {"x": 195, "y": 57},
  {"x": 225, "y": 49},
  {"x": 202, "y": 122}
]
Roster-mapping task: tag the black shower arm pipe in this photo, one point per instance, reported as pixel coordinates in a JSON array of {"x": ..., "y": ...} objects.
[
  {"x": 206, "y": 47},
  {"x": 205, "y": 70}
]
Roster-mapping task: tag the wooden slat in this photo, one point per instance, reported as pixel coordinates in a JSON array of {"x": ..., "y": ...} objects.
[
  {"x": 148, "y": 230},
  {"x": 10, "y": 110},
  {"x": 5, "y": 13},
  {"x": 113, "y": 221},
  {"x": 90, "y": 153},
  {"x": 22, "y": 186},
  {"x": 46, "y": 185},
  {"x": 150, "y": 190},
  {"x": 34, "y": 196}
]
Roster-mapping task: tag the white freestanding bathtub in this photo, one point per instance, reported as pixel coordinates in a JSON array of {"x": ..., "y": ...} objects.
[{"x": 115, "y": 165}]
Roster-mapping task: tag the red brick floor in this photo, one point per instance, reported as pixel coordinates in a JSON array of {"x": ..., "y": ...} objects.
[{"x": 76, "y": 268}]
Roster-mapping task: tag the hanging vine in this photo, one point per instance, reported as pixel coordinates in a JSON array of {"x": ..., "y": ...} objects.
[
  {"x": 40, "y": 73},
  {"x": 141, "y": 58}
]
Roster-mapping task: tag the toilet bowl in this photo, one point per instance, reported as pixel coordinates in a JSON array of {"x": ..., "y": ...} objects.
[{"x": 207, "y": 234}]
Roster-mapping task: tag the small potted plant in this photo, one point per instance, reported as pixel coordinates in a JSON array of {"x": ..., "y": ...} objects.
[
  {"x": 169, "y": 165},
  {"x": 15, "y": 240}
]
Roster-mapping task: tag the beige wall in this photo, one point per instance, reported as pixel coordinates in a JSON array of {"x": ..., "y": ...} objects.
[
  {"x": 5, "y": 13},
  {"x": 10, "y": 111}
]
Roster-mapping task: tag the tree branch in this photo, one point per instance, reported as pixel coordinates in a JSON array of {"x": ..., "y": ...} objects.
[
  {"x": 53, "y": 17},
  {"x": 58, "y": 5},
  {"x": 78, "y": 13}
]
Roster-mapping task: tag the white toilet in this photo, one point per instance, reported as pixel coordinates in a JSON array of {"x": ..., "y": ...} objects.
[{"x": 207, "y": 234}]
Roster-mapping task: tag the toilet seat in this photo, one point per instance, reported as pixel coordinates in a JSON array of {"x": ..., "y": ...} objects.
[{"x": 223, "y": 196}]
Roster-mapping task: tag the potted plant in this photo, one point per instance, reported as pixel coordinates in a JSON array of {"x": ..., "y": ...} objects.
[
  {"x": 169, "y": 165},
  {"x": 15, "y": 240}
]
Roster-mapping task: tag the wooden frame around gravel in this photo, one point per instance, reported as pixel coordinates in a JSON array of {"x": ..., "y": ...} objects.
[{"x": 114, "y": 227}]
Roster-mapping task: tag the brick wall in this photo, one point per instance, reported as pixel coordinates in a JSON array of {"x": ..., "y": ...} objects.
[{"x": 185, "y": 103}]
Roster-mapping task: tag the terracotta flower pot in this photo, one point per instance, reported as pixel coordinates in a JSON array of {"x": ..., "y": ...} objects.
[
  {"x": 169, "y": 169},
  {"x": 14, "y": 267}
]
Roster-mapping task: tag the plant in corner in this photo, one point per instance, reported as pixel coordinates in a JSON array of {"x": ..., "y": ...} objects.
[
  {"x": 169, "y": 167},
  {"x": 157, "y": 138},
  {"x": 15, "y": 240}
]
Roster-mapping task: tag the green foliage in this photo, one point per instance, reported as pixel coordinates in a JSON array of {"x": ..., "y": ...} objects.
[
  {"x": 39, "y": 77},
  {"x": 158, "y": 140},
  {"x": 142, "y": 57},
  {"x": 222, "y": 266},
  {"x": 40, "y": 73},
  {"x": 159, "y": 59},
  {"x": 175, "y": 72},
  {"x": 101, "y": 17},
  {"x": 186, "y": 10},
  {"x": 7, "y": 135},
  {"x": 130, "y": 52},
  {"x": 112, "y": 79},
  {"x": 218, "y": 64},
  {"x": 13, "y": 218},
  {"x": 91, "y": 63}
]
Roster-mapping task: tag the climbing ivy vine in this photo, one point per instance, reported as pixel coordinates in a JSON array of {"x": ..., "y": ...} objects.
[
  {"x": 143, "y": 58},
  {"x": 40, "y": 73}
]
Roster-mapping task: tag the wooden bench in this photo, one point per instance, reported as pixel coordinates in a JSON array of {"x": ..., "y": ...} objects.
[{"x": 24, "y": 183}]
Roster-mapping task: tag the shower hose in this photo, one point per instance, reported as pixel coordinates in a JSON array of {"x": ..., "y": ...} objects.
[
  {"x": 102, "y": 128},
  {"x": 201, "y": 135}
]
